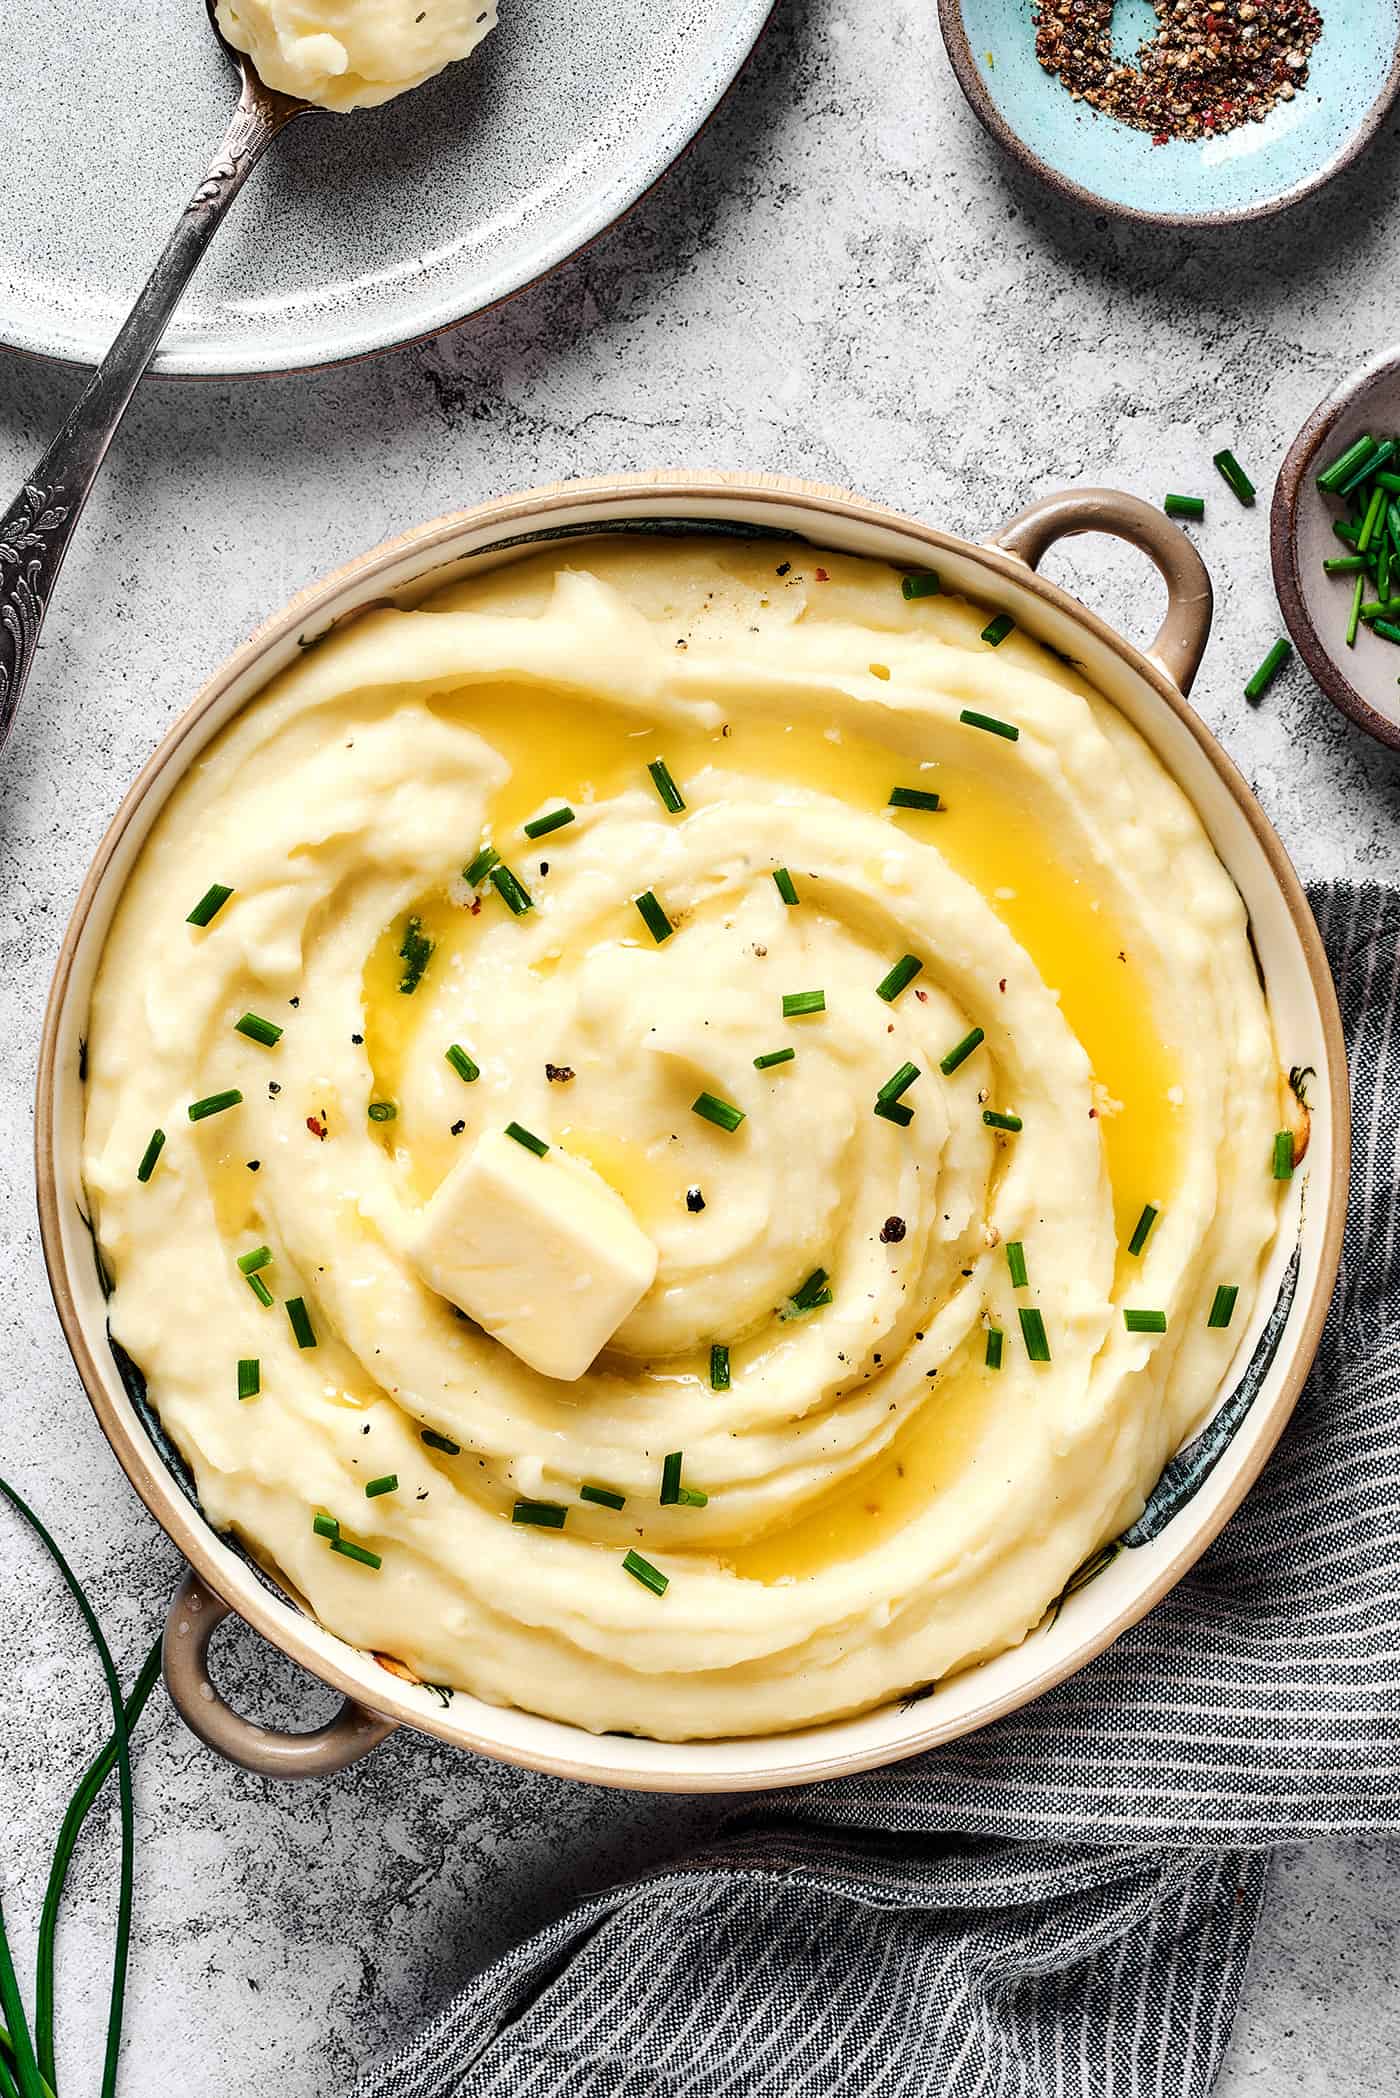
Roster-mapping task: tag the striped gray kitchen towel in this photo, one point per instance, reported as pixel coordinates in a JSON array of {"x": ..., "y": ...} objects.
[{"x": 1062, "y": 1903}]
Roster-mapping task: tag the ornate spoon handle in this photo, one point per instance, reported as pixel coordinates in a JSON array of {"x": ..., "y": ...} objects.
[{"x": 36, "y": 529}]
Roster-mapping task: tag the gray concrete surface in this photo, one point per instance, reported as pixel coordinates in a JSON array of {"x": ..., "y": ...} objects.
[{"x": 843, "y": 280}]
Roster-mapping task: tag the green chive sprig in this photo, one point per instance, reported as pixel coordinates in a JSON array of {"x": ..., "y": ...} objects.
[
  {"x": 722, "y": 1113},
  {"x": 415, "y": 952},
  {"x": 375, "y": 1488},
  {"x": 899, "y": 978},
  {"x": 924, "y": 583},
  {"x": 1016, "y": 1263},
  {"x": 382, "y": 1110},
  {"x": 996, "y": 630},
  {"x": 1192, "y": 506},
  {"x": 1142, "y": 1229},
  {"x": 894, "y": 1088},
  {"x": 213, "y": 1104},
  {"x": 301, "y": 1324},
  {"x": 1138, "y": 1321},
  {"x": 719, "y": 1367},
  {"x": 996, "y": 1342},
  {"x": 603, "y": 1496},
  {"x": 528, "y": 1138},
  {"x": 260, "y": 1257},
  {"x": 442, "y": 1443},
  {"x": 894, "y": 1111},
  {"x": 249, "y": 1377},
  {"x": 773, "y": 1058},
  {"x": 1234, "y": 476},
  {"x": 264, "y": 1032},
  {"x": 467, "y": 1070},
  {"x": 913, "y": 798},
  {"x": 961, "y": 1051},
  {"x": 642, "y": 1570},
  {"x": 813, "y": 1293},
  {"x": 1034, "y": 1335},
  {"x": 785, "y": 886},
  {"x": 1282, "y": 1166},
  {"x": 994, "y": 1119},
  {"x": 653, "y": 917},
  {"x": 1008, "y": 729},
  {"x": 360, "y": 1553},
  {"x": 798, "y": 1004},
  {"x": 477, "y": 870},
  {"x": 150, "y": 1155},
  {"x": 672, "y": 799},
  {"x": 209, "y": 905},
  {"x": 511, "y": 890},
  {"x": 540, "y": 1515},
  {"x": 544, "y": 826},
  {"x": 1222, "y": 1306}
]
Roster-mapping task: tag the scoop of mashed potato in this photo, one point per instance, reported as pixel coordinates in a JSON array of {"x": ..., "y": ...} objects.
[{"x": 350, "y": 54}]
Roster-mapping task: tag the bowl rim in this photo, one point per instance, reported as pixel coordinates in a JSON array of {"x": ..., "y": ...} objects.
[
  {"x": 275, "y": 1616},
  {"x": 989, "y": 115}
]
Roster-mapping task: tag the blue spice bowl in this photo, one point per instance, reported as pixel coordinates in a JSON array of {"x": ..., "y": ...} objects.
[{"x": 1353, "y": 82}]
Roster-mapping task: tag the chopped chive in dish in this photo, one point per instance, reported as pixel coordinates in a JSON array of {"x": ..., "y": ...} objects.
[
  {"x": 259, "y": 1030},
  {"x": 712, "y": 1109},
  {"x": 1341, "y": 475},
  {"x": 1283, "y": 1155},
  {"x": 382, "y": 1110},
  {"x": 1016, "y": 1262},
  {"x": 912, "y": 798},
  {"x": 719, "y": 1367},
  {"x": 925, "y": 583},
  {"x": 785, "y": 886},
  {"x": 812, "y": 1293},
  {"x": 900, "y": 1083},
  {"x": 543, "y": 825},
  {"x": 213, "y": 1104},
  {"x": 1142, "y": 1229},
  {"x": 325, "y": 1525},
  {"x": 528, "y": 1138},
  {"x": 773, "y": 1058},
  {"x": 477, "y": 870},
  {"x": 210, "y": 904},
  {"x": 653, "y": 917},
  {"x": 462, "y": 1064},
  {"x": 672, "y": 800},
  {"x": 1343, "y": 564},
  {"x": 444, "y": 1443},
  {"x": 671, "y": 1479},
  {"x": 249, "y": 1377},
  {"x": 642, "y": 1570},
  {"x": 1234, "y": 476},
  {"x": 301, "y": 1322},
  {"x": 996, "y": 630},
  {"x": 260, "y": 1291},
  {"x": 541, "y": 1515},
  {"x": 961, "y": 1051},
  {"x": 415, "y": 952},
  {"x": 899, "y": 978},
  {"x": 360, "y": 1553},
  {"x": 150, "y": 1155},
  {"x": 511, "y": 890},
  {"x": 259, "y": 1257},
  {"x": 894, "y": 1111},
  {"x": 1354, "y": 616},
  {"x": 375, "y": 1487},
  {"x": 798, "y": 1003},
  {"x": 1145, "y": 1321},
  {"x": 994, "y": 1119},
  {"x": 1222, "y": 1305},
  {"x": 1034, "y": 1335},
  {"x": 602, "y": 1496},
  {"x": 1192, "y": 506},
  {"x": 990, "y": 723},
  {"x": 996, "y": 1342}
]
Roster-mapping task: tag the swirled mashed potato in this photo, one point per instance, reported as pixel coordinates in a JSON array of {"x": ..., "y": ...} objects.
[
  {"x": 350, "y": 54},
  {"x": 870, "y": 1501}
]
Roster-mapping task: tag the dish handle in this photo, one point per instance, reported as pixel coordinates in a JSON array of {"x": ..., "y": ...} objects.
[
  {"x": 195, "y": 1616},
  {"x": 1180, "y": 641}
]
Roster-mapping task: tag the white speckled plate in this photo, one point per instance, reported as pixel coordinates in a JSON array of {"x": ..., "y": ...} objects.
[{"x": 358, "y": 232}]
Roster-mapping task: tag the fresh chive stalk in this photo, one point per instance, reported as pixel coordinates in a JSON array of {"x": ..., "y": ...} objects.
[
  {"x": 972, "y": 719},
  {"x": 511, "y": 890},
  {"x": 961, "y": 1051},
  {"x": 899, "y": 978},
  {"x": 360, "y": 1553},
  {"x": 797, "y": 1004},
  {"x": 1142, "y": 1229},
  {"x": 415, "y": 952},
  {"x": 301, "y": 1324},
  {"x": 785, "y": 885},
  {"x": 773, "y": 1058},
  {"x": 462, "y": 1064},
  {"x": 374, "y": 1488},
  {"x": 900, "y": 1083},
  {"x": 996, "y": 1342},
  {"x": 1192, "y": 506},
  {"x": 1222, "y": 1305},
  {"x": 653, "y": 917},
  {"x": 382, "y": 1110},
  {"x": 642, "y": 1570},
  {"x": 602, "y": 1496},
  {"x": 1144, "y": 1321},
  {"x": 442, "y": 1443},
  {"x": 540, "y": 1515},
  {"x": 994, "y": 1119},
  {"x": 1346, "y": 463},
  {"x": 477, "y": 870},
  {"x": 894, "y": 1111},
  {"x": 1033, "y": 1334},
  {"x": 260, "y": 1291},
  {"x": 925, "y": 583},
  {"x": 1354, "y": 616},
  {"x": 1283, "y": 1155},
  {"x": 671, "y": 1479},
  {"x": 1269, "y": 669},
  {"x": 719, "y": 1367},
  {"x": 528, "y": 1138},
  {"x": 325, "y": 1525},
  {"x": 712, "y": 1109},
  {"x": 1016, "y": 1263},
  {"x": 812, "y": 1293},
  {"x": 672, "y": 800},
  {"x": 996, "y": 630},
  {"x": 213, "y": 1104},
  {"x": 543, "y": 826},
  {"x": 150, "y": 1155},
  {"x": 260, "y": 1257},
  {"x": 913, "y": 798},
  {"x": 1234, "y": 476},
  {"x": 258, "y": 1030},
  {"x": 249, "y": 1376},
  {"x": 209, "y": 905}
]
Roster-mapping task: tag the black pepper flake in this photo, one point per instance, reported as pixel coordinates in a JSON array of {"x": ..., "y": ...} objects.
[
  {"x": 357, "y": 1039},
  {"x": 891, "y": 1232},
  {"x": 458, "y": 1127},
  {"x": 694, "y": 1201},
  {"x": 784, "y": 567},
  {"x": 558, "y": 1074},
  {"x": 273, "y": 1088},
  {"x": 294, "y": 1001},
  {"x": 254, "y": 1164}
]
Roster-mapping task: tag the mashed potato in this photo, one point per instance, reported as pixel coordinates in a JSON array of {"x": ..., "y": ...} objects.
[{"x": 349, "y": 54}]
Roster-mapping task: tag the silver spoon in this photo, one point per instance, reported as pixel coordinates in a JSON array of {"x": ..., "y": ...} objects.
[{"x": 36, "y": 529}]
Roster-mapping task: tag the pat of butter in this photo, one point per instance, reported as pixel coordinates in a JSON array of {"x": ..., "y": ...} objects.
[{"x": 539, "y": 1251}]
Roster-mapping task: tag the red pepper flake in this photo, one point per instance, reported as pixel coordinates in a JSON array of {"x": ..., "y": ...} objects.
[
  {"x": 316, "y": 1124},
  {"x": 820, "y": 575}
]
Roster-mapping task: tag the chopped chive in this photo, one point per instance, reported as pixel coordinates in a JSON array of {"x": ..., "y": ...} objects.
[
  {"x": 602, "y": 1496},
  {"x": 995, "y": 1120},
  {"x": 249, "y": 1377},
  {"x": 990, "y": 723},
  {"x": 1375, "y": 509},
  {"x": 512, "y": 892},
  {"x": 653, "y": 917},
  {"x": 996, "y": 1341},
  {"x": 912, "y": 798},
  {"x": 1344, "y": 530},
  {"x": 1392, "y": 520},
  {"x": 899, "y": 978},
  {"x": 1372, "y": 464},
  {"x": 719, "y": 1367},
  {"x": 415, "y": 952},
  {"x": 692, "y": 1497},
  {"x": 798, "y": 1003},
  {"x": 543, "y": 825},
  {"x": 1344, "y": 564},
  {"x": 481, "y": 866},
  {"x": 672, "y": 800},
  {"x": 301, "y": 1322},
  {"x": 1142, "y": 1228},
  {"x": 926, "y": 583},
  {"x": 215, "y": 1104},
  {"x": 375, "y": 1487},
  {"x": 1184, "y": 506},
  {"x": 785, "y": 885},
  {"x": 260, "y": 1257},
  {"x": 711, "y": 1109},
  {"x": 671, "y": 1479},
  {"x": 1222, "y": 1305},
  {"x": 382, "y": 1110},
  {"x": 325, "y": 1525},
  {"x": 1345, "y": 464},
  {"x": 961, "y": 1051},
  {"x": 541, "y": 1515},
  {"x": 528, "y": 1138},
  {"x": 1016, "y": 1262},
  {"x": 1386, "y": 628},
  {"x": 1355, "y": 613},
  {"x": 1230, "y": 470},
  {"x": 258, "y": 1030},
  {"x": 210, "y": 904},
  {"x": 360, "y": 1553},
  {"x": 900, "y": 1083},
  {"x": 1283, "y": 1155},
  {"x": 996, "y": 630},
  {"x": 260, "y": 1290},
  {"x": 1269, "y": 669},
  {"x": 462, "y": 1064},
  {"x": 642, "y": 1570},
  {"x": 1145, "y": 1321},
  {"x": 774, "y": 1056},
  {"x": 812, "y": 1292},
  {"x": 434, "y": 1441},
  {"x": 1033, "y": 1334},
  {"x": 150, "y": 1155},
  {"x": 894, "y": 1111},
  {"x": 1390, "y": 482}
]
